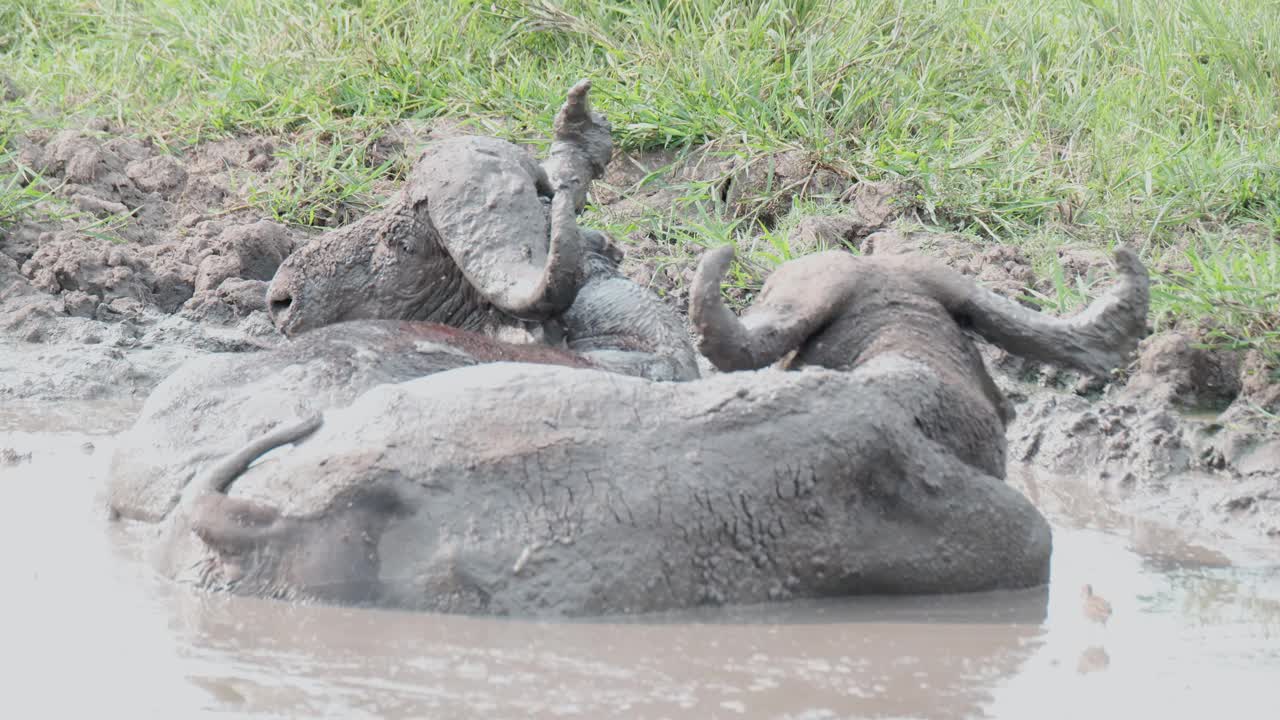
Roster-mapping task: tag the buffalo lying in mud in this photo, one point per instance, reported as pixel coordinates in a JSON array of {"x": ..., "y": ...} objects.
[
  {"x": 483, "y": 238},
  {"x": 213, "y": 405},
  {"x": 480, "y": 237},
  {"x": 552, "y": 488},
  {"x": 840, "y": 311}
]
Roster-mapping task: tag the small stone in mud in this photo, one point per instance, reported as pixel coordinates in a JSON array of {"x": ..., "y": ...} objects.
[
  {"x": 156, "y": 174},
  {"x": 79, "y": 303},
  {"x": 98, "y": 206},
  {"x": 9, "y": 456}
]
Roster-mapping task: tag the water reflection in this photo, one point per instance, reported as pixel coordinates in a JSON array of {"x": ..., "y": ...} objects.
[
  {"x": 1093, "y": 659},
  {"x": 409, "y": 663},
  {"x": 91, "y": 630}
]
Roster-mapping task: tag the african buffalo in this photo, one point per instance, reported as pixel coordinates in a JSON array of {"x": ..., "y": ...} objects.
[
  {"x": 837, "y": 310},
  {"x": 480, "y": 237},
  {"x": 522, "y": 488},
  {"x": 463, "y": 244},
  {"x": 213, "y": 405}
]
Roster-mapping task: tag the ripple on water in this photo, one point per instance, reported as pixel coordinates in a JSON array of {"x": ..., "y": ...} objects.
[{"x": 87, "y": 627}]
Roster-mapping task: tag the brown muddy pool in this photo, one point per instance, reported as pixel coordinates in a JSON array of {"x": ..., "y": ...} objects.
[{"x": 87, "y": 630}]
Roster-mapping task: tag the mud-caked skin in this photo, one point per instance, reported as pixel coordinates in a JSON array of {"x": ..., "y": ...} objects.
[
  {"x": 480, "y": 237},
  {"x": 840, "y": 311},
  {"x": 528, "y": 489},
  {"x": 621, "y": 326},
  {"x": 207, "y": 490},
  {"x": 203, "y": 414},
  {"x": 464, "y": 243}
]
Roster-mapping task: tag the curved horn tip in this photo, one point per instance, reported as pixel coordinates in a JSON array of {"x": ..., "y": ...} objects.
[
  {"x": 562, "y": 206},
  {"x": 575, "y": 103},
  {"x": 712, "y": 268},
  {"x": 722, "y": 254}
]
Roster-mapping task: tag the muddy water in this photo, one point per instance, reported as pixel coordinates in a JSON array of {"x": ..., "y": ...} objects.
[{"x": 87, "y": 630}]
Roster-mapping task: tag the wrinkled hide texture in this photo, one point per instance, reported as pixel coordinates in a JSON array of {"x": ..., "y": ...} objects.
[
  {"x": 481, "y": 237},
  {"x": 621, "y": 326},
  {"x": 213, "y": 405},
  {"x": 525, "y": 489}
]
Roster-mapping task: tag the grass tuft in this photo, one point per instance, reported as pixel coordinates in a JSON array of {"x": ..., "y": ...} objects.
[
  {"x": 1017, "y": 120},
  {"x": 1233, "y": 282},
  {"x": 320, "y": 184}
]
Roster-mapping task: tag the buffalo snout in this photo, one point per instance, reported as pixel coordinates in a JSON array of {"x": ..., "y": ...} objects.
[{"x": 280, "y": 301}]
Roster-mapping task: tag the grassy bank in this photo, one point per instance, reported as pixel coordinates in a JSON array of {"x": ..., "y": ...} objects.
[{"x": 1035, "y": 123}]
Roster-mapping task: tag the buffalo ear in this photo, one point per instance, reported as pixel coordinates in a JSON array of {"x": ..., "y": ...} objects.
[
  {"x": 485, "y": 205},
  {"x": 230, "y": 524}
]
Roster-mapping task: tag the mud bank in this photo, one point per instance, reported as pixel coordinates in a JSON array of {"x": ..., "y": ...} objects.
[
  {"x": 1161, "y": 446},
  {"x": 133, "y": 261},
  {"x": 138, "y": 259},
  {"x": 134, "y": 258}
]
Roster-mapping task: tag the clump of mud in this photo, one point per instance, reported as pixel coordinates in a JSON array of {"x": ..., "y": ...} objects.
[
  {"x": 1186, "y": 441},
  {"x": 135, "y": 260},
  {"x": 9, "y": 456}
]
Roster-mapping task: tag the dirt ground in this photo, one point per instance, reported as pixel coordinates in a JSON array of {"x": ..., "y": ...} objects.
[{"x": 141, "y": 260}]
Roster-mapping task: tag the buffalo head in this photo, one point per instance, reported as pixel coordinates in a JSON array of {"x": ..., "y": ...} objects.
[{"x": 480, "y": 236}]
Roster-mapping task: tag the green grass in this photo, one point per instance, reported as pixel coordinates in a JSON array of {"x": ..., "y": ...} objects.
[
  {"x": 16, "y": 197},
  {"x": 1232, "y": 280},
  {"x": 320, "y": 184},
  {"x": 1156, "y": 121}
]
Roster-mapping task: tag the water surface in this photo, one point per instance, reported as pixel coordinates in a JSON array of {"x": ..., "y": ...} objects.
[{"x": 88, "y": 630}]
